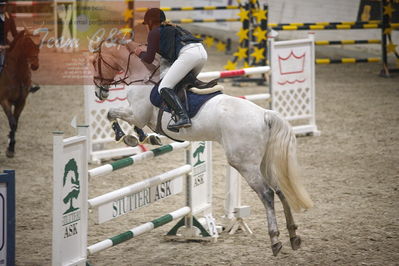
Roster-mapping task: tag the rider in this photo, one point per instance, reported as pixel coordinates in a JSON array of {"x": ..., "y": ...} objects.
[
  {"x": 182, "y": 50},
  {"x": 7, "y": 27}
]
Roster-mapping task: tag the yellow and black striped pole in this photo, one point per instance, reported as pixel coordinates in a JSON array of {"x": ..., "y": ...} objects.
[
  {"x": 191, "y": 8},
  {"x": 300, "y": 24},
  {"x": 189, "y": 20},
  {"x": 346, "y": 42},
  {"x": 328, "y": 27},
  {"x": 324, "y": 61}
]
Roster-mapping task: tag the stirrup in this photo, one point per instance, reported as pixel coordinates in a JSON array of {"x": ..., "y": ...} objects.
[
  {"x": 173, "y": 119},
  {"x": 175, "y": 128}
]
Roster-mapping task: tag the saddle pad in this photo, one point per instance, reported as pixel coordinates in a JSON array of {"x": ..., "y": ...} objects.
[{"x": 195, "y": 101}]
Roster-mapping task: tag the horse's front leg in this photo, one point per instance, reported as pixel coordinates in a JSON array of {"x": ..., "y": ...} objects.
[
  {"x": 13, "y": 128},
  {"x": 147, "y": 138},
  {"x": 130, "y": 140},
  {"x": 125, "y": 115}
]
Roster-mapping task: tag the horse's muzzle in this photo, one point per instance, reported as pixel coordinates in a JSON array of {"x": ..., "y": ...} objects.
[{"x": 102, "y": 92}]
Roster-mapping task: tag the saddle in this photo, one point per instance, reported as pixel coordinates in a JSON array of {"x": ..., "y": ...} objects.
[{"x": 182, "y": 90}]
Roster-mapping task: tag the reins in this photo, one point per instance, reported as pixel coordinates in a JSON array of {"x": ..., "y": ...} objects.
[{"x": 111, "y": 82}]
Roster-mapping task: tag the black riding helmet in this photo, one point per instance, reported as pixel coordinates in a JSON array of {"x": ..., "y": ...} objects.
[{"x": 155, "y": 15}]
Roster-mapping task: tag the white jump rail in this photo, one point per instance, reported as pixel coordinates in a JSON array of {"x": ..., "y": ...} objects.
[
  {"x": 71, "y": 203},
  {"x": 139, "y": 230},
  {"x": 109, "y": 168}
]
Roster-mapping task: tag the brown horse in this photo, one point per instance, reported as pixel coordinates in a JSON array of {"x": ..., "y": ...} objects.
[{"x": 15, "y": 80}]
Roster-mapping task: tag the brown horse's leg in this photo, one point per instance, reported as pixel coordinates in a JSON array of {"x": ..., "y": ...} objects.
[
  {"x": 19, "y": 106},
  {"x": 18, "y": 110},
  {"x": 13, "y": 127}
]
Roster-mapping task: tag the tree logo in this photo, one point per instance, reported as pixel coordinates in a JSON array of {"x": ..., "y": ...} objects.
[
  {"x": 71, "y": 178},
  {"x": 197, "y": 154}
]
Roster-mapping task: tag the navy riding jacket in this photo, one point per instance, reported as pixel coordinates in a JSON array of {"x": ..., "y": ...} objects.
[{"x": 167, "y": 40}]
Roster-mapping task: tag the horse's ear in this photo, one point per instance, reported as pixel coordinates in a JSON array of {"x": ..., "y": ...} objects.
[
  {"x": 39, "y": 30},
  {"x": 94, "y": 45}
]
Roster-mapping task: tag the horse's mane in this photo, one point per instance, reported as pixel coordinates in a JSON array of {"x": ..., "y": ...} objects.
[{"x": 16, "y": 39}]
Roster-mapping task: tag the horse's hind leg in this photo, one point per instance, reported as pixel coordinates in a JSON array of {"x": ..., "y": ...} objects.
[
  {"x": 266, "y": 195},
  {"x": 291, "y": 226}
]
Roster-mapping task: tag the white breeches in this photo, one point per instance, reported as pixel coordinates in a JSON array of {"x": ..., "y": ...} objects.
[{"x": 192, "y": 57}]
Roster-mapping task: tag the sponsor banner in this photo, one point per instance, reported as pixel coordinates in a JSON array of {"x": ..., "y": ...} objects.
[
  {"x": 70, "y": 200},
  {"x": 139, "y": 199},
  {"x": 200, "y": 176},
  {"x": 68, "y": 32}
]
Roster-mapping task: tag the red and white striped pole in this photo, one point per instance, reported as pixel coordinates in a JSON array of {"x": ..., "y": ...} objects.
[{"x": 234, "y": 73}]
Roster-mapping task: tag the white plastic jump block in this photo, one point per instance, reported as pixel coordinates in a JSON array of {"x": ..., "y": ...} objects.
[{"x": 242, "y": 211}]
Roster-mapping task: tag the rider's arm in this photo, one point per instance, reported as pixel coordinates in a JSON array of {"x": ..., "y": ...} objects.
[
  {"x": 14, "y": 31},
  {"x": 12, "y": 26},
  {"x": 153, "y": 46}
]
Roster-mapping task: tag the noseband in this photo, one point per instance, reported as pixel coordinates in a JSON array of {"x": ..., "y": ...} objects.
[{"x": 100, "y": 80}]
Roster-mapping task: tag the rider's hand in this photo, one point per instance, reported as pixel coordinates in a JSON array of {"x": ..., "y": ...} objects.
[
  {"x": 138, "y": 51},
  {"x": 3, "y": 47}
]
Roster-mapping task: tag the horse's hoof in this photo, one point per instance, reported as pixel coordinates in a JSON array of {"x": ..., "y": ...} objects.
[
  {"x": 155, "y": 140},
  {"x": 130, "y": 140},
  {"x": 10, "y": 154},
  {"x": 276, "y": 248},
  {"x": 34, "y": 89},
  {"x": 295, "y": 242}
]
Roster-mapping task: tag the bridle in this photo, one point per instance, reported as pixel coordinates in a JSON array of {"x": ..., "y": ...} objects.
[{"x": 100, "y": 80}]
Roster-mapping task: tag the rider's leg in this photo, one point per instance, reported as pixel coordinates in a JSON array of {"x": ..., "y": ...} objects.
[
  {"x": 204, "y": 57},
  {"x": 173, "y": 102},
  {"x": 2, "y": 60},
  {"x": 191, "y": 57}
]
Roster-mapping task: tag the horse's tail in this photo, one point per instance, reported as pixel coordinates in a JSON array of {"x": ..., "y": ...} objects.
[{"x": 280, "y": 162}]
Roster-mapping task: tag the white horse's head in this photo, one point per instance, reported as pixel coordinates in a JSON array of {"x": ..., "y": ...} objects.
[
  {"x": 105, "y": 66},
  {"x": 115, "y": 63}
]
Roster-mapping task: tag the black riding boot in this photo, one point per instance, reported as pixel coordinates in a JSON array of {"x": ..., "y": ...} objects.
[{"x": 174, "y": 103}]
